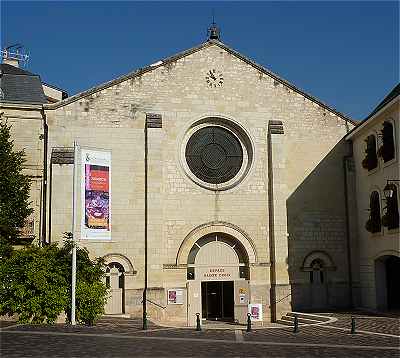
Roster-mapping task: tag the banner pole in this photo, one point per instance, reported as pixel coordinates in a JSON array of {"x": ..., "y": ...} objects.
[{"x": 73, "y": 283}]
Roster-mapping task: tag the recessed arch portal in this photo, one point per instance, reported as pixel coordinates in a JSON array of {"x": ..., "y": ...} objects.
[
  {"x": 226, "y": 230},
  {"x": 220, "y": 238}
]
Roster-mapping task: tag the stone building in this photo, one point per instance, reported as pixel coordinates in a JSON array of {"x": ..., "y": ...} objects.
[
  {"x": 22, "y": 95},
  {"x": 232, "y": 175},
  {"x": 375, "y": 145}
]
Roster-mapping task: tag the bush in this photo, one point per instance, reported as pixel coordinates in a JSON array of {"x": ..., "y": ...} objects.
[
  {"x": 36, "y": 284},
  {"x": 33, "y": 285},
  {"x": 90, "y": 301},
  {"x": 90, "y": 293}
]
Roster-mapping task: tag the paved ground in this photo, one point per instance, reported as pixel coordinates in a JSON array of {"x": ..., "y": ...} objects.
[{"x": 125, "y": 338}]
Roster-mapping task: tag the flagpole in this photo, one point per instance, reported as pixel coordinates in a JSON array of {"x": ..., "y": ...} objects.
[{"x": 74, "y": 192}]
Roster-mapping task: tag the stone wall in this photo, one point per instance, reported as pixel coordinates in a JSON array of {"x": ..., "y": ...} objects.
[
  {"x": 386, "y": 242},
  {"x": 113, "y": 118}
]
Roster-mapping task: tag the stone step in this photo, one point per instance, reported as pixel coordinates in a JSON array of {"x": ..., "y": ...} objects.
[
  {"x": 300, "y": 320},
  {"x": 284, "y": 322},
  {"x": 308, "y": 316}
]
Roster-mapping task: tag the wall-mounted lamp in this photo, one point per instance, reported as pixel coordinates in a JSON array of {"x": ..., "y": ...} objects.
[{"x": 390, "y": 188}]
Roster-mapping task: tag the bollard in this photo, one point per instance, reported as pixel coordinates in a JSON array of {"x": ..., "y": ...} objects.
[
  {"x": 248, "y": 323},
  {"x": 296, "y": 324},
  {"x": 198, "y": 327},
  {"x": 353, "y": 325}
]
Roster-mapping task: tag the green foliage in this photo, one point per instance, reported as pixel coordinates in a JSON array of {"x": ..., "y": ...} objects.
[
  {"x": 14, "y": 188},
  {"x": 90, "y": 290},
  {"x": 90, "y": 301},
  {"x": 36, "y": 284},
  {"x": 33, "y": 284}
]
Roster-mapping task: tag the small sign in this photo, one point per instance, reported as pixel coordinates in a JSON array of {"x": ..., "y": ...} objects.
[
  {"x": 242, "y": 291},
  {"x": 242, "y": 299},
  {"x": 255, "y": 310},
  {"x": 217, "y": 273},
  {"x": 175, "y": 296}
]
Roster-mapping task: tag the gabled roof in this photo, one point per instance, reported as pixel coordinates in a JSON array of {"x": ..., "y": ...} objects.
[
  {"x": 394, "y": 93},
  {"x": 20, "y": 86},
  {"x": 188, "y": 52}
]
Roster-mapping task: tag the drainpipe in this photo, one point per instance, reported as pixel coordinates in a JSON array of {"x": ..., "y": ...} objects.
[
  {"x": 271, "y": 228},
  {"x": 50, "y": 198},
  {"x": 44, "y": 191},
  {"x": 346, "y": 158},
  {"x": 274, "y": 128},
  {"x": 152, "y": 120}
]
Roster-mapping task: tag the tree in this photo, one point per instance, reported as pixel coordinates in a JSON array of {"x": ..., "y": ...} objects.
[
  {"x": 35, "y": 283},
  {"x": 14, "y": 190}
]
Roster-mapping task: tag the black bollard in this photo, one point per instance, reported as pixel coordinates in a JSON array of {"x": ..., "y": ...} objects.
[
  {"x": 198, "y": 327},
  {"x": 248, "y": 323},
  {"x": 296, "y": 324},
  {"x": 353, "y": 325}
]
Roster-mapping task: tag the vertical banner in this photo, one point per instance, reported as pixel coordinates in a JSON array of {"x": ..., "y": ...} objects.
[{"x": 96, "y": 194}]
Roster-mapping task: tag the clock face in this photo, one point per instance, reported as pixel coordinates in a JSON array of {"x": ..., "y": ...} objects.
[{"x": 214, "y": 78}]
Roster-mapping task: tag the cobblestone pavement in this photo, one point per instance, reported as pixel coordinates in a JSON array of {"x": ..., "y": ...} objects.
[
  {"x": 368, "y": 322},
  {"x": 125, "y": 338}
]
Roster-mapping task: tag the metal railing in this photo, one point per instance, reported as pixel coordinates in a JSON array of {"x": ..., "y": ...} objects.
[{"x": 155, "y": 304}]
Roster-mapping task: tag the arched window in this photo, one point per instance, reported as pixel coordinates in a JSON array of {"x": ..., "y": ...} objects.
[
  {"x": 371, "y": 159},
  {"x": 374, "y": 222},
  {"x": 391, "y": 217},
  {"x": 317, "y": 272},
  {"x": 386, "y": 151}
]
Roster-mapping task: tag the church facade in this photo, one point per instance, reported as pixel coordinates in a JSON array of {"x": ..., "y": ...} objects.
[{"x": 229, "y": 178}]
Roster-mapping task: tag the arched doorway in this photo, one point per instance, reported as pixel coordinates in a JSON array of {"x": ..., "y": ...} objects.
[
  {"x": 387, "y": 282},
  {"x": 115, "y": 282},
  {"x": 119, "y": 274},
  {"x": 318, "y": 264},
  {"x": 319, "y": 292},
  {"x": 218, "y": 274}
]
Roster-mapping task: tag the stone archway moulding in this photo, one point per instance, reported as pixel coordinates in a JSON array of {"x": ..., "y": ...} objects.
[
  {"x": 209, "y": 228},
  {"x": 323, "y": 256},
  {"x": 386, "y": 253},
  {"x": 123, "y": 260}
]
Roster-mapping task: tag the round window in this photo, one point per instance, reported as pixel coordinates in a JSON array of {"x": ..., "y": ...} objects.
[{"x": 214, "y": 154}]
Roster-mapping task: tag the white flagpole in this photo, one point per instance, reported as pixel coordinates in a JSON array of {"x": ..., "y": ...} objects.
[{"x": 74, "y": 192}]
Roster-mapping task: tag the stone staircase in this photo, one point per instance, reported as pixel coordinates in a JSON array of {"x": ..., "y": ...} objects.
[{"x": 304, "y": 319}]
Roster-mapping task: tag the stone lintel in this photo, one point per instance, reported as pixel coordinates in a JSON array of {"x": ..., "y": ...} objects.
[{"x": 174, "y": 267}]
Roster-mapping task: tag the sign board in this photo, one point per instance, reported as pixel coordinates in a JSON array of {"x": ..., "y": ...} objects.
[
  {"x": 255, "y": 310},
  {"x": 96, "y": 194},
  {"x": 175, "y": 296},
  {"x": 220, "y": 273}
]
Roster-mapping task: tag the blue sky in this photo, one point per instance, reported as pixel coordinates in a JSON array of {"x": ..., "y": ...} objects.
[{"x": 344, "y": 53}]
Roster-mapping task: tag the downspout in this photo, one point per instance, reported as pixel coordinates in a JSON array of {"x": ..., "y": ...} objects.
[
  {"x": 144, "y": 327},
  {"x": 44, "y": 192},
  {"x": 50, "y": 197},
  {"x": 346, "y": 207},
  {"x": 271, "y": 228},
  {"x": 274, "y": 128}
]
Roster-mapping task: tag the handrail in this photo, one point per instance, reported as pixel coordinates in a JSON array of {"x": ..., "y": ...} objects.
[
  {"x": 282, "y": 299},
  {"x": 155, "y": 303}
]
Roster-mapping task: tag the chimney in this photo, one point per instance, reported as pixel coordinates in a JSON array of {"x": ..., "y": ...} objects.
[
  {"x": 11, "y": 61},
  {"x": 11, "y": 55}
]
